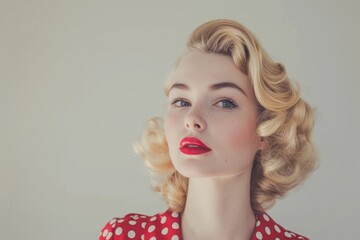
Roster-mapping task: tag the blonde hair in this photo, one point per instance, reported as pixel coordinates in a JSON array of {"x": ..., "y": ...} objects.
[{"x": 285, "y": 122}]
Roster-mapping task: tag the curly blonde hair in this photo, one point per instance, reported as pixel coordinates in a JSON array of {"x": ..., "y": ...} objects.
[{"x": 285, "y": 122}]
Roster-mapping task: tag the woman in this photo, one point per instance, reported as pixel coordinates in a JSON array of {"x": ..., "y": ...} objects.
[{"x": 236, "y": 136}]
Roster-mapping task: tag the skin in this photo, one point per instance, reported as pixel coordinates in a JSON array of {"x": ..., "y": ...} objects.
[{"x": 224, "y": 118}]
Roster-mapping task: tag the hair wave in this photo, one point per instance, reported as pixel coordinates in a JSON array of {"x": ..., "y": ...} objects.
[{"x": 285, "y": 122}]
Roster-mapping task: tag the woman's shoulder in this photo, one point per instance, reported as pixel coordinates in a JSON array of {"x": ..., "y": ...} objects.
[
  {"x": 140, "y": 226},
  {"x": 267, "y": 228},
  {"x": 167, "y": 226}
]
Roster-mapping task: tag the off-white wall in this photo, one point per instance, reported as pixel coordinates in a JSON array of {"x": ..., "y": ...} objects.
[{"x": 78, "y": 80}]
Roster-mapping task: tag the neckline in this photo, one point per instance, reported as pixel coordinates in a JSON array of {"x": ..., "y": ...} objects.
[{"x": 259, "y": 218}]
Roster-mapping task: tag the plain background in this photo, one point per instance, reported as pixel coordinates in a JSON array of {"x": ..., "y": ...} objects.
[{"x": 79, "y": 79}]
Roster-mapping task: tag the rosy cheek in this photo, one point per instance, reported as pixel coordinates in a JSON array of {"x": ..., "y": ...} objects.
[
  {"x": 242, "y": 135},
  {"x": 170, "y": 123}
]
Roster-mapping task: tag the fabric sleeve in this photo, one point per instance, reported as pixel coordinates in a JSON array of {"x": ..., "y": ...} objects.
[
  {"x": 112, "y": 230},
  {"x": 132, "y": 226}
]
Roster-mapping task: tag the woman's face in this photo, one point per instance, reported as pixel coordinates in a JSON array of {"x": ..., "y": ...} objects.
[{"x": 210, "y": 124}]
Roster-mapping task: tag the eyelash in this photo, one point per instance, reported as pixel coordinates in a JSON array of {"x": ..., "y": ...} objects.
[
  {"x": 229, "y": 100},
  {"x": 233, "y": 104},
  {"x": 176, "y": 100}
]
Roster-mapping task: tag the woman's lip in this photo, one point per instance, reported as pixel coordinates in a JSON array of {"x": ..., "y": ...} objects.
[
  {"x": 193, "y": 143},
  {"x": 194, "y": 150}
]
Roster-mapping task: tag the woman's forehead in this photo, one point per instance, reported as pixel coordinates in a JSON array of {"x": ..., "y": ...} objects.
[{"x": 207, "y": 69}]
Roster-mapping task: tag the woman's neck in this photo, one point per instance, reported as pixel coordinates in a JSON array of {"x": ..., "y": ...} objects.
[{"x": 218, "y": 208}]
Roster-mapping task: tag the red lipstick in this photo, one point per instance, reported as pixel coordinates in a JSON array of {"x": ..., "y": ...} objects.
[{"x": 193, "y": 146}]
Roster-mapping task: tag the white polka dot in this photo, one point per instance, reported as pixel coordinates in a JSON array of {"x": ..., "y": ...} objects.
[
  {"x": 152, "y": 219},
  {"x": 175, "y": 214},
  {"x": 113, "y": 226},
  {"x": 293, "y": 234},
  {"x": 131, "y": 234},
  {"x": 151, "y": 228},
  {"x": 142, "y": 237},
  {"x": 105, "y": 232},
  {"x": 258, "y": 223},
  {"x": 165, "y": 231},
  {"x": 175, "y": 225},
  {"x": 109, "y": 235},
  {"x": 175, "y": 237},
  {"x": 132, "y": 222},
  {"x": 267, "y": 230},
  {"x": 135, "y": 217},
  {"x": 118, "y": 231},
  {"x": 259, "y": 235},
  {"x": 277, "y": 228},
  {"x": 163, "y": 219},
  {"x": 143, "y": 225},
  {"x": 112, "y": 221},
  {"x": 277, "y": 238},
  {"x": 300, "y": 237},
  {"x": 153, "y": 238},
  {"x": 266, "y": 217},
  {"x": 287, "y": 234},
  {"x": 120, "y": 220}
]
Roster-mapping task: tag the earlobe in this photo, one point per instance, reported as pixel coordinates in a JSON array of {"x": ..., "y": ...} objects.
[{"x": 263, "y": 143}]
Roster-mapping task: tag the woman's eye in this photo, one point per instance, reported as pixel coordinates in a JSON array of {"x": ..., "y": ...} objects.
[
  {"x": 180, "y": 102},
  {"x": 226, "y": 103}
]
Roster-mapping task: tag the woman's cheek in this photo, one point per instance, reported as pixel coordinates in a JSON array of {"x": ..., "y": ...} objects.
[
  {"x": 243, "y": 135},
  {"x": 170, "y": 125}
]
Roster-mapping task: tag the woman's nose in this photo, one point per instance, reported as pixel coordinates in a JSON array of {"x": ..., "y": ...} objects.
[{"x": 194, "y": 121}]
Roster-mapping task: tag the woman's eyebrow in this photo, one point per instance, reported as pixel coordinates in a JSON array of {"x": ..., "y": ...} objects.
[
  {"x": 179, "y": 86},
  {"x": 215, "y": 86},
  {"x": 227, "y": 85}
]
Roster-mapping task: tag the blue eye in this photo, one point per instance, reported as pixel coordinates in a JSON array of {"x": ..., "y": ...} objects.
[
  {"x": 180, "y": 102},
  {"x": 226, "y": 103}
]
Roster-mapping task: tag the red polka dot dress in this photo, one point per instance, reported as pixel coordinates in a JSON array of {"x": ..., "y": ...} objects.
[{"x": 166, "y": 226}]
